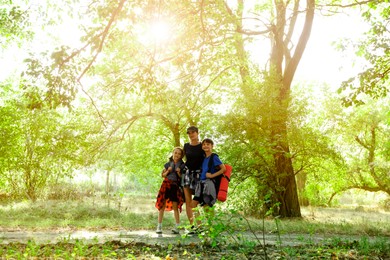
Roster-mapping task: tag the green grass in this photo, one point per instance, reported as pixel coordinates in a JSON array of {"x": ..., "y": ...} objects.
[
  {"x": 370, "y": 229},
  {"x": 79, "y": 214},
  {"x": 140, "y": 213}
]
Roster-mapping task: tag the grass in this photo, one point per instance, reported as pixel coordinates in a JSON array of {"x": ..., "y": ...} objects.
[
  {"x": 139, "y": 213},
  {"x": 86, "y": 213},
  {"x": 370, "y": 229}
]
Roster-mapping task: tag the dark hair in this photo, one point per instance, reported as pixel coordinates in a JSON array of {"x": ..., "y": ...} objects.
[
  {"x": 192, "y": 128},
  {"x": 208, "y": 140}
]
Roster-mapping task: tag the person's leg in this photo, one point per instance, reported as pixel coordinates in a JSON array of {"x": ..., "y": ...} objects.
[
  {"x": 194, "y": 203},
  {"x": 161, "y": 213},
  {"x": 160, "y": 218},
  {"x": 196, "y": 229},
  {"x": 176, "y": 212},
  {"x": 188, "y": 198},
  {"x": 175, "y": 230}
]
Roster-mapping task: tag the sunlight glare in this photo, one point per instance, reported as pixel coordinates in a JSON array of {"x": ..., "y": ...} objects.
[
  {"x": 156, "y": 33},
  {"x": 160, "y": 31}
]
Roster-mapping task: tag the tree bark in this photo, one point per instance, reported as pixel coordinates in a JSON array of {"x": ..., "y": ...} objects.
[{"x": 287, "y": 195}]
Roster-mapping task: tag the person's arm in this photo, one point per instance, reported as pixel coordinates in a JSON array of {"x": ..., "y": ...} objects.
[
  {"x": 166, "y": 171},
  {"x": 178, "y": 171},
  {"x": 221, "y": 170}
]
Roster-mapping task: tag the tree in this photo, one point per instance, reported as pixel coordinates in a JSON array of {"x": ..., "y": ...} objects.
[
  {"x": 367, "y": 145},
  {"x": 374, "y": 48},
  {"x": 283, "y": 63},
  {"x": 132, "y": 79},
  {"x": 319, "y": 164},
  {"x": 13, "y": 22},
  {"x": 39, "y": 146}
]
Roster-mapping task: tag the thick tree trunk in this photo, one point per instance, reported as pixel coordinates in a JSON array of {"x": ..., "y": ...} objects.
[
  {"x": 286, "y": 186},
  {"x": 287, "y": 194}
]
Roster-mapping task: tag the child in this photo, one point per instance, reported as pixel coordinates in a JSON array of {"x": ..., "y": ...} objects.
[
  {"x": 206, "y": 190},
  {"x": 170, "y": 196}
]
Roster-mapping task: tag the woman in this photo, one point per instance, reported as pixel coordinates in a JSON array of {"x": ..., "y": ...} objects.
[{"x": 194, "y": 155}]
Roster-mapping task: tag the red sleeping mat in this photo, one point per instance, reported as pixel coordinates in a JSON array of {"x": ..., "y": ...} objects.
[{"x": 224, "y": 185}]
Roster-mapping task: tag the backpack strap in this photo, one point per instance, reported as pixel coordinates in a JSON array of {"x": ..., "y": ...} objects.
[
  {"x": 172, "y": 165},
  {"x": 211, "y": 162},
  {"x": 226, "y": 177}
]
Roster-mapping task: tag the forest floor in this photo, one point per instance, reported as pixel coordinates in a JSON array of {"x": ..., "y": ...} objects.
[
  {"x": 146, "y": 244},
  {"x": 81, "y": 230},
  {"x": 150, "y": 237}
]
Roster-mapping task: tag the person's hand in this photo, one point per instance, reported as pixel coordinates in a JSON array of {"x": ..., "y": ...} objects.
[
  {"x": 169, "y": 169},
  {"x": 209, "y": 175}
]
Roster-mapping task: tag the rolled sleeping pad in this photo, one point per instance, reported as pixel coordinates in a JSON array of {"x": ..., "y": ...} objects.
[{"x": 224, "y": 185}]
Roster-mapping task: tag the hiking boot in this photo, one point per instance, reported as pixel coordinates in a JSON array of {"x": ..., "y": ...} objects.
[
  {"x": 159, "y": 230},
  {"x": 175, "y": 230}
]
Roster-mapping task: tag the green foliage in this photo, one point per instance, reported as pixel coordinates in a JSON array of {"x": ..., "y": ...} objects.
[
  {"x": 129, "y": 99},
  {"x": 49, "y": 82},
  {"x": 374, "y": 48},
  {"x": 14, "y": 22},
  {"x": 223, "y": 227},
  {"x": 40, "y": 146},
  {"x": 364, "y": 142}
]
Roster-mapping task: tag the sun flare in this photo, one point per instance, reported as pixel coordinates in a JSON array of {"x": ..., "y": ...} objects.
[
  {"x": 160, "y": 31},
  {"x": 155, "y": 33}
]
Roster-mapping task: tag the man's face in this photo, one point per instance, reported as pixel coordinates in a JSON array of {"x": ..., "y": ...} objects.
[{"x": 192, "y": 134}]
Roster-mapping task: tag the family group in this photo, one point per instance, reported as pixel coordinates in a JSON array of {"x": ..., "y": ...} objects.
[{"x": 191, "y": 175}]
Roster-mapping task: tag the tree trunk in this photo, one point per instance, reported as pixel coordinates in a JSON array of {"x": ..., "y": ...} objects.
[
  {"x": 281, "y": 72},
  {"x": 301, "y": 185},
  {"x": 287, "y": 195},
  {"x": 108, "y": 188},
  {"x": 280, "y": 54}
]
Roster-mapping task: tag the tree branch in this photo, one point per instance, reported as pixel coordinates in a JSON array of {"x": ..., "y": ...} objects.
[
  {"x": 103, "y": 35},
  {"x": 303, "y": 39}
]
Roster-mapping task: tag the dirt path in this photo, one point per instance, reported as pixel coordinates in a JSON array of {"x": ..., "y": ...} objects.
[{"x": 150, "y": 237}]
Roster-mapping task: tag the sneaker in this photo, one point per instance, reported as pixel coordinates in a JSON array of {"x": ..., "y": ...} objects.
[
  {"x": 175, "y": 230},
  {"x": 191, "y": 231},
  {"x": 159, "y": 230}
]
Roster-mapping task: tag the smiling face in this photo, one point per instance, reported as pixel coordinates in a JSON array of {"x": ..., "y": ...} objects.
[
  {"x": 177, "y": 154},
  {"x": 207, "y": 147}
]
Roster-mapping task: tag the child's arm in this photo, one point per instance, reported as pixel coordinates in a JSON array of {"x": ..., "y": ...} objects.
[
  {"x": 181, "y": 169},
  {"x": 165, "y": 172},
  {"x": 221, "y": 170},
  {"x": 178, "y": 172}
]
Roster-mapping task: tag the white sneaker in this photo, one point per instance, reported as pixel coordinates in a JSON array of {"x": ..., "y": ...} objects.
[
  {"x": 175, "y": 230},
  {"x": 159, "y": 230}
]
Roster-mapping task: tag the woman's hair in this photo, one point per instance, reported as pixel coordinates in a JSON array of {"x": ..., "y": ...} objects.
[{"x": 178, "y": 148}]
